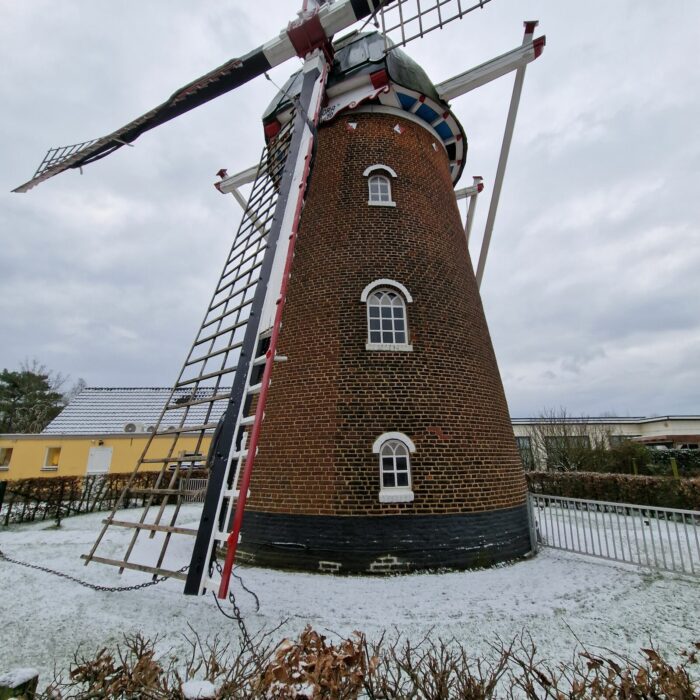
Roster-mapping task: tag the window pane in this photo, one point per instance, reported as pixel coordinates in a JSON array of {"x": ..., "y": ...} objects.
[
  {"x": 402, "y": 479},
  {"x": 388, "y": 306},
  {"x": 387, "y": 461},
  {"x": 401, "y": 463},
  {"x": 379, "y": 189},
  {"x": 388, "y": 480}
]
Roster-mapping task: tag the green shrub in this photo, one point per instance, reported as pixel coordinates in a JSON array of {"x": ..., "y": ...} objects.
[
  {"x": 630, "y": 457},
  {"x": 659, "y": 491},
  {"x": 659, "y": 462}
]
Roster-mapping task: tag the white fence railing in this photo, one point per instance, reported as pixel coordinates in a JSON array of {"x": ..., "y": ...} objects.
[{"x": 667, "y": 539}]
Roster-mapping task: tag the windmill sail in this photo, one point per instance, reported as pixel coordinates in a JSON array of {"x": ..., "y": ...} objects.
[
  {"x": 324, "y": 22},
  {"x": 232, "y": 344},
  {"x": 229, "y": 478},
  {"x": 203, "y": 388}
]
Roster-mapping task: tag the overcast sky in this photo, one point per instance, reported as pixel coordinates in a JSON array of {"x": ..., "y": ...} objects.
[{"x": 592, "y": 288}]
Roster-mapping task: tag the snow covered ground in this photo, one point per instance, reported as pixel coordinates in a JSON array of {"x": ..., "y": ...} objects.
[{"x": 556, "y": 597}]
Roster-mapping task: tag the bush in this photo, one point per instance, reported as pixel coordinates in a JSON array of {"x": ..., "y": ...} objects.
[
  {"x": 629, "y": 457},
  {"x": 662, "y": 492},
  {"x": 313, "y": 668},
  {"x": 659, "y": 462},
  {"x": 57, "y": 497}
]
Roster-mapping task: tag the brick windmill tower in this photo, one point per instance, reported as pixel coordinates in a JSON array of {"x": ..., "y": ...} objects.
[{"x": 366, "y": 428}]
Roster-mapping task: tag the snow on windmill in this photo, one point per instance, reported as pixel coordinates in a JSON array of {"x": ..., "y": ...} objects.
[{"x": 364, "y": 426}]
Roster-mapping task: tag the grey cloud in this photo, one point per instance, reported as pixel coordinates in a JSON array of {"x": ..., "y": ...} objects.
[{"x": 591, "y": 289}]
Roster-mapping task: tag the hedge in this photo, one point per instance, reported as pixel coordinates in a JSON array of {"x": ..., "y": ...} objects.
[
  {"x": 56, "y": 497},
  {"x": 663, "y": 492},
  {"x": 688, "y": 462}
]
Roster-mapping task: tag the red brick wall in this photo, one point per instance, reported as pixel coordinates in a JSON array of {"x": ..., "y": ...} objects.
[{"x": 331, "y": 400}]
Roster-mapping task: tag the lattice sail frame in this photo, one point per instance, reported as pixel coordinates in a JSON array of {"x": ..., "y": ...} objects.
[
  {"x": 403, "y": 21},
  {"x": 200, "y": 391}
]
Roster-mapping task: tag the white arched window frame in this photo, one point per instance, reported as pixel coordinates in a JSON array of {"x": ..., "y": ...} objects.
[
  {"x": 387, "y": 317},
  {"x": 395, "y": 481},
  {"x": 379, "y": 185}
]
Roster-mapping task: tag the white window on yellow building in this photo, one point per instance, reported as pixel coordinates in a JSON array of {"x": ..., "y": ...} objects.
[
  {"x": 5, "y": 457},
  {"x": 53, "y": 454}
]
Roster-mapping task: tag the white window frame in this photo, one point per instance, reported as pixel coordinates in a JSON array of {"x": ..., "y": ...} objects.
[
  {"x": 49, "y": 467},
  {"x": 375, "y": 172},
  {"x": 406, "y": 298},
  {"x": 5, "y": 450},
  {"x": 395, "y": 494}
]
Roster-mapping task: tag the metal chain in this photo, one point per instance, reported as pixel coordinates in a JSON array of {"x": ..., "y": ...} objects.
[
  {"x": 237, "y": 615},
  {"x": 253, "y": 594},
  {"x": 87, "y": 584}
]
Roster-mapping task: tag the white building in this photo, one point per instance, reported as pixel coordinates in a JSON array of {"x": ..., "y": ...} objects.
[{"x": 662, "y": 432}]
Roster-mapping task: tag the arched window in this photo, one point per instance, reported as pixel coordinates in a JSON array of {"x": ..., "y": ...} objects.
[
  {"x": 394, "y": 464},
  {"x": 386, "y": 314},
  {"x": 395, "y": 483},
  {"x": 387, "y": 322},
  {"x": 379, "y": 185},
  {"x": 379, "y": 190}
]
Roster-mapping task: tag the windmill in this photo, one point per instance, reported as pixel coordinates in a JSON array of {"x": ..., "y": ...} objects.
[{"x": 359, "y": 421}]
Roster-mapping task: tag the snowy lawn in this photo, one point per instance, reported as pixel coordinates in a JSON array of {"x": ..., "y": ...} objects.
[{"x": 556, "y": 597}]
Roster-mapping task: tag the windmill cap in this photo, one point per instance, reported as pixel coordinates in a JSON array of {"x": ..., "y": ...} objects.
[
  {"x": 364, "y": 72},
  {"x": 361, "y": 53}
]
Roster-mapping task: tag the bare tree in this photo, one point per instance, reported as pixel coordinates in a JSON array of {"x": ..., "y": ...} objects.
[{"x": 564, "y": 442}]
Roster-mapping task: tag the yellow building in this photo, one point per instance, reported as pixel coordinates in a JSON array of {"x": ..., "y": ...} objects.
[
  {"x": 106, "y": 430},
  {"x": 101, "y": 431}
]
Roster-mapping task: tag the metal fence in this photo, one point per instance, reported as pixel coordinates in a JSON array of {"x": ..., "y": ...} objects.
[
  {"x": 193, "y": 490},
  {"x": 666, "y": 539}
]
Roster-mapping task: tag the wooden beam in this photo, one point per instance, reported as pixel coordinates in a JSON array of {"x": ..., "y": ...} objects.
[{"x": 137, "y": 567}]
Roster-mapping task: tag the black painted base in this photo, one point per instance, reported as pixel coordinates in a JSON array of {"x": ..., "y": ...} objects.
[{"x": 384, "y": 544}]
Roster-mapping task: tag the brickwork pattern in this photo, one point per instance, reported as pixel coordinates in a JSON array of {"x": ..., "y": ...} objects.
[{"x": 332, "y": 398}]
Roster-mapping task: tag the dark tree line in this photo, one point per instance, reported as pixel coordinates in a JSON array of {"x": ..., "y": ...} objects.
[{"x": 31, "y": 397}]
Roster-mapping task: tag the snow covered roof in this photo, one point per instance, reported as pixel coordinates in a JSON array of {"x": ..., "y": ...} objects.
[{"x": 105, "y": 411}]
